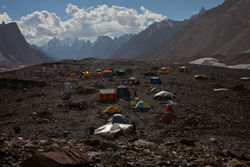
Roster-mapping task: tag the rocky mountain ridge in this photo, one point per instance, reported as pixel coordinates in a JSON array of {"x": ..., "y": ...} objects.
[
  {"x": 14, "y": 49},
  {"x": 152, "y": 37},
  {"x": 103, "y": 47},
  {"x": 224, "y": 30}
]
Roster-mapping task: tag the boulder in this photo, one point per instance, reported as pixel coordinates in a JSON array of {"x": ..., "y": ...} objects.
[{"x": 66, "y": 158}]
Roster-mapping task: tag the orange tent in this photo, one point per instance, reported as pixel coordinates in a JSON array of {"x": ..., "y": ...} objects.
[
  {"x": 165, "y": 70},
  {"x": 105, "y": 71},
  {"x": 72, "y": 75},
  {"x": 87, "y": 75},
  {"x": 108, "y": 73}
]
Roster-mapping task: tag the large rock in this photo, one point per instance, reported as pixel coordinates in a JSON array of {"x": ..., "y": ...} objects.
[{"x": 66, "y": 158}]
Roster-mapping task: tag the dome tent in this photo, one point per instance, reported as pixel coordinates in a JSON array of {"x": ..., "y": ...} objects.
[
  {"x": 87, "y": 75},
  {"x": 134, "y": 101},
  {"x": 111, "y": 110},
  {"x": 133, "y": 81},
  {"x": 142, "y": 106},
  {"x": 118, "y": 118},
  {"x": 165, "y": 70},
  {"x": 73, "y": 75}
]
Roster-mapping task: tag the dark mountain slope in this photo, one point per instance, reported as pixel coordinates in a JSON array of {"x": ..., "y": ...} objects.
[
  {"x": 221, "y": 30},
  {"x": 15, "y": 49},
  {"x": 152, "y": 37}
]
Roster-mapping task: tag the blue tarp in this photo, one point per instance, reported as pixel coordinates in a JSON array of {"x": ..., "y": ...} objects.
[{"x": 172, "y": 103}]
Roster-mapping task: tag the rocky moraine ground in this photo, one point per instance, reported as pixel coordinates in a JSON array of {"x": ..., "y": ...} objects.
[{"x": 212, "y": 128}]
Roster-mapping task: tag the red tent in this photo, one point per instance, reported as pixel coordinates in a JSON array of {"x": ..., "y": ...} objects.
[
  {"x": 169, "y": 108},
  {"x": 168, "y": 115},
  {"x": 201, "y": 76},
  {"x": 107, "y": 95}
]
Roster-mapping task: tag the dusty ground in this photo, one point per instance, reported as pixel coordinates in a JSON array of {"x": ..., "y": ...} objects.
[{"x": 215, "y": 124}]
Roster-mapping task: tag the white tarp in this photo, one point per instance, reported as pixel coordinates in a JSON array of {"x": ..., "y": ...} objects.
[
  {"x": 245, "y": 78},
  {"x": 220, "y": 89},
  {"x": 164, "y": 94},
  {"x": 110, "y": 129}
]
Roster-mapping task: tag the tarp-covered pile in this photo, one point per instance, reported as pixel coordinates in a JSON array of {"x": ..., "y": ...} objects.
[{"x": 116, "y": 124}]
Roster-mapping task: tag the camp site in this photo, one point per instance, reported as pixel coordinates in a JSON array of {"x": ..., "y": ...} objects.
[
  {"x": 125, "y": 83},
  {"x": 76, "y": 108}
]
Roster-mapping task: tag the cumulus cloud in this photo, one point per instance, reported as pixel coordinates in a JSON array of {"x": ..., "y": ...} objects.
[
  {"x": 40, "y": 26},
  {"x": 5, "y": 17}
]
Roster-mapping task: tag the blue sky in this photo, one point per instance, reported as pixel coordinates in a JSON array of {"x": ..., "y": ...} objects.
[
  {"x": 173, "y": 9},
  {"x": 43, "y": 20}
]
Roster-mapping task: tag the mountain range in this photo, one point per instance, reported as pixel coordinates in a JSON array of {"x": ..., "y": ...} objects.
[
  {"x": 224, "y": 30},
  {"x": 152, "y": 37},
  {"x": 14, "y": 49},
  {"x": 103, "y": 47},
  {"x": 125, "y": 46}
]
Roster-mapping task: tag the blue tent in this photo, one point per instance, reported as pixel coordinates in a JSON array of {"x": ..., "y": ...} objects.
[
  {"x": 122, "y": 91},
  {"x": 155, "y": 80},
  {"x": 141, "y": 104},
  {"x": 133, "y": 81},
  {"x": 121, "y": 72}
]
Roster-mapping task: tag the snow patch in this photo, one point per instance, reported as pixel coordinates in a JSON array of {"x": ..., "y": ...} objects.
[{"x": 215, "y": 62}]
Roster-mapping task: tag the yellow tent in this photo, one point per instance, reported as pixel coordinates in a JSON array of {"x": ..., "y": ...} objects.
[
  {"x": 112, "y": 110},
  {"x": 87, "y": 75},
  {"x": 134, "y": 101},
  {"x": 141, "y": 104}
]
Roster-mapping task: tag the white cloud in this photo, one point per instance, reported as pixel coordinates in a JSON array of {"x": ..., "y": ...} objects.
[
  {"x": 40, "y": 26},
  {"x": 5, "y": 17}
]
